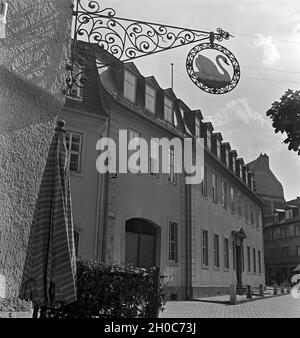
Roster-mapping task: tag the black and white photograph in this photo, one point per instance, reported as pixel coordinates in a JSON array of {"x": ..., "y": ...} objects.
[{"x": 149, "y": 162}]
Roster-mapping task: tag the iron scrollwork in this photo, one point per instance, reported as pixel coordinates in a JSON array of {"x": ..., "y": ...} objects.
[{"x": 123, "y": 38}]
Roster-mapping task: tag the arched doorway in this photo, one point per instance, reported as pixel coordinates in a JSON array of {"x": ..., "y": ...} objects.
[{"x": 141, "y": 243}]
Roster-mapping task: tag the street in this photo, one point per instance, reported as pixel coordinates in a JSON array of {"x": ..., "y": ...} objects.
[{"x": 283, "y": 306}]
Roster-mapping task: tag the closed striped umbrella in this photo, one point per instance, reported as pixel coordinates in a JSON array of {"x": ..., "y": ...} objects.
[{"x": 50, "y": 265}]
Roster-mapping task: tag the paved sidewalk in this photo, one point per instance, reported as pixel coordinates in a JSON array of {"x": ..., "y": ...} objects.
[{"x": 283, "y": 306}]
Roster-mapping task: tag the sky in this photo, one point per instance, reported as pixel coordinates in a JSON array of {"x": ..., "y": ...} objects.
[{"x": 266, "y": 43}]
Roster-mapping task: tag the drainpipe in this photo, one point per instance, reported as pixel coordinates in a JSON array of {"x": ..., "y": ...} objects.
[
  {"x": 188, "y": 209},
  {"x": 104, "y": 205},
  {"x": 101, "y": 198}
]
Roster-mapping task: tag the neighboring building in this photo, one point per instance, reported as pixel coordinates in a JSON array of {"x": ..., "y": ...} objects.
[
  {"x": 282, "y": 243},
  {"x": 268, "y": 188},
  {"x": 203, "y": 237},
  {"x": 281, "y": 223}
]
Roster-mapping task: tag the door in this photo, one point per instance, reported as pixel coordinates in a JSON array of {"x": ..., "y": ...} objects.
[
  {"x": 140, "y": 246},
  {"x": 239, "y": 264}
]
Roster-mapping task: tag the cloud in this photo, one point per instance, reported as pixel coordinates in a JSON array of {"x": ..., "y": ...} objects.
[
  {"x": 239, "y": 109},
  {"x": 269, "y": 48},
  {"x": 247, "y": 131}
]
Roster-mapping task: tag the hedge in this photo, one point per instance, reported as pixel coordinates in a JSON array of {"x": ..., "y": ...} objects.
[{"x": 105, "y": 291}]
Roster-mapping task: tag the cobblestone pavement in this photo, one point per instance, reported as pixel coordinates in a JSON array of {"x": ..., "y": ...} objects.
[{"x": 283, "y": 306}]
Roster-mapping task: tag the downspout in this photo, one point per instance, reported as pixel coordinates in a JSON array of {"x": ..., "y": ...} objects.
[
  {"x": 101, "y": 201},
  {"x": 188, "y": 209},
  {"x": 104, "y": 218}
]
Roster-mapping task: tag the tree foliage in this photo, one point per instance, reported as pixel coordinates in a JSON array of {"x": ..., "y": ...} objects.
[{"x": 285, "y": 114}]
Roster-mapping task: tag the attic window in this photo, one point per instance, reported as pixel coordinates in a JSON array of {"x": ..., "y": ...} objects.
[
  {"x": 208, "y": 139},
  {"x": 168, "y": 110},
  {"x": 129, "y": 86},
  {"x": 150, "y": 98},
  {"x": 218, "y": 149},
  {"x": 197, "y": 127},
  {"x": 227, "y": 157},
  {"x": 233, "y": 164}
]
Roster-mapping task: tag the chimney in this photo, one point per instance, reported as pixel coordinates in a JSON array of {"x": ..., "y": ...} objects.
[{"x": 264, "y": 160}]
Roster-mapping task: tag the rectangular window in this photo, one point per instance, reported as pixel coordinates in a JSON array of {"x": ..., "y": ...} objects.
[
  {"x": 208, "y": 139},
  {"x": 249, "y": 259},
  {"x": 233, "y": 164},
  {"x": 204, "y": 247},
  {"x": 298, "y": 250},
  {"x": 224, "y": 194},
  {"x": 215, "y": 187},
  {"x": 204, "y": 183},
  {"x": 297, "y": 230},
  {"x": 133, "y": 134},
  {"x": 173, "y": 242},
  {"x": 171, "y": 159},
  {"x": 239, "y": 203},
  {"x": 246, "y": 209},
  {"x": 150, "y": 99},
  {"x": 259, "y": 261},
  {"x": 251, "y": 214},
  {"x": 227, "y": 157},
  {"x": 257, "y": 216},
  {"x": 129, "y": 86},
  {"x": 254, "y": 260},
  {"x": 197, "y": 127},
  {"x": 218, "y": 149},
  {"x": 168, "y": 110},
  {"x": 232, "y": 199},
  {"x": 226, "y": 253},
  {"x": 216, "y": 251},
  {"x": 154, "y": 159},
  {"x": 74, "y": 147}
]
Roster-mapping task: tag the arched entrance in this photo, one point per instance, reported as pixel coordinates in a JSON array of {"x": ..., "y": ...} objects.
[{"x": 141, "y": 243}]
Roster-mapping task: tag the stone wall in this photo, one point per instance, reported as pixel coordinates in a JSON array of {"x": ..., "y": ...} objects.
[{"x": 32, "y": 72}]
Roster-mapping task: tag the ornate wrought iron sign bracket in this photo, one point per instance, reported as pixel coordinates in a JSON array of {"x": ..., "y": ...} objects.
[{"x": 127, "y": 40}]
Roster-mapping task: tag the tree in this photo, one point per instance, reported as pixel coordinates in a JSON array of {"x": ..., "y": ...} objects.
[{"x": 285, "y": 114}]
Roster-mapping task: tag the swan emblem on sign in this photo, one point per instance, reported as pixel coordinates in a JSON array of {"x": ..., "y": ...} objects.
[{"x": 209, "y": 74}]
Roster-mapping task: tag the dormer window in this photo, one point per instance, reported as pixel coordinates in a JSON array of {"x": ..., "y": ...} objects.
[
  {"x": 246, "y": 176},
  {"x": 129, "y": 86},
  {"x": 208, "y": 139},
  {"x": 233, "y": 164},
  {"x": 150, "y": 99},
  {"x": 168, "y": 110},
  {"x": 218, "y": 149},
  {"x": 197, "y": 127},
  {"x": 227, "y": 157}
]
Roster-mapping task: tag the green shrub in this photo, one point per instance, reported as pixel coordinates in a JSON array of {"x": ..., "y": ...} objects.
[{"x": 113, "y": 292}]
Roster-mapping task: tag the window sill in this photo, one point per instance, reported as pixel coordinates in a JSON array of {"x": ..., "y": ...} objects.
[
  {"x": 173, "y": 264},
  {"x": 205, "y": 267}
]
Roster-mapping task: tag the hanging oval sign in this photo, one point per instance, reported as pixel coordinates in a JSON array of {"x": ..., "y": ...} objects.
[{"x": 213, "y": 68}]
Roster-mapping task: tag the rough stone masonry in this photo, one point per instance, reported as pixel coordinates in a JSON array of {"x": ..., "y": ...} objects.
[{"x": 33, "y": 55}]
